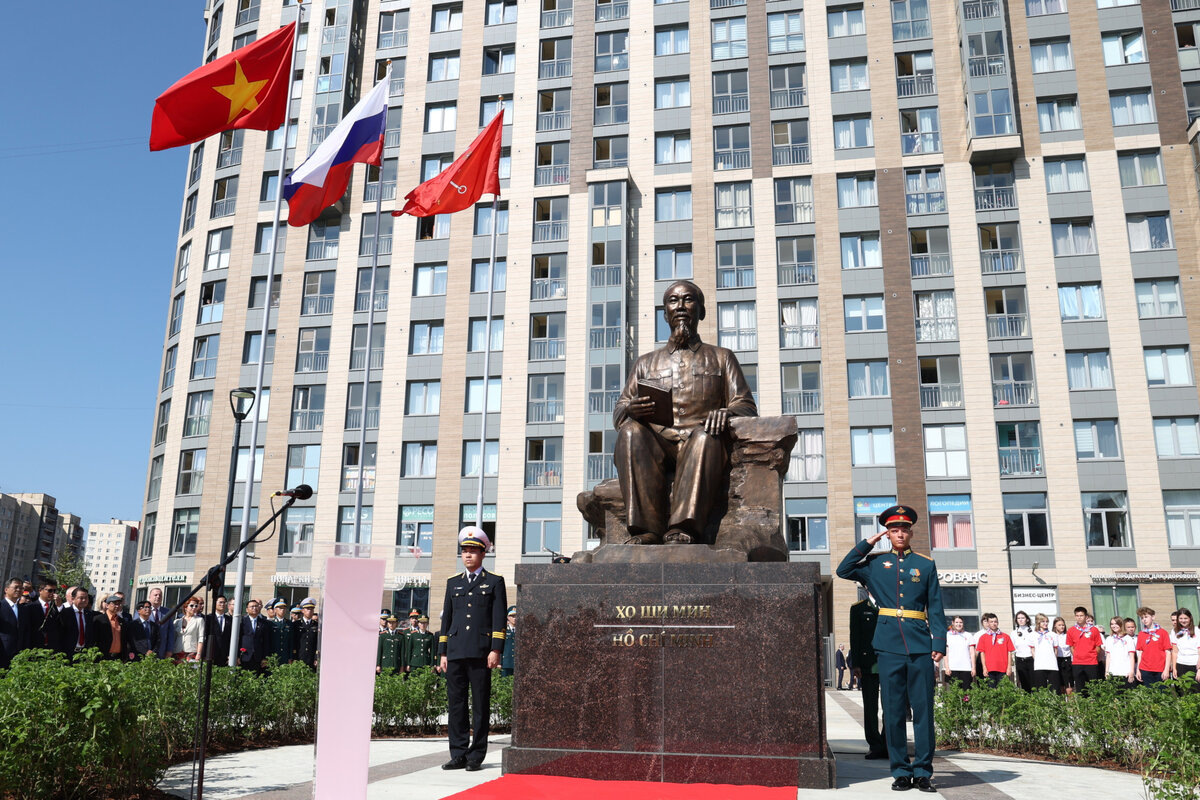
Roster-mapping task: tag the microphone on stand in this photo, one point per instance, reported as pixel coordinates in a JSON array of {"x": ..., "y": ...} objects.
[{"x": 301, "y": 492}]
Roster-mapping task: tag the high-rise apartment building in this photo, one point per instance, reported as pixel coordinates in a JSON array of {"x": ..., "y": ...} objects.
[
  {"x": 111, "y": 557},
  {"x": 34, "y": 534},
  {"x": 965, "y": 266}
]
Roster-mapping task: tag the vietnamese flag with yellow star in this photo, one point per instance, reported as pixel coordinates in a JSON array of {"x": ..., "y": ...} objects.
[{"x": 246, "y": 89}]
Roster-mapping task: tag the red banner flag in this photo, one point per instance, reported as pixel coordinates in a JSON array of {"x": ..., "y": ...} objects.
[
  {"x": 247, "y": 88},
  {"x": 475, "y": 173}
]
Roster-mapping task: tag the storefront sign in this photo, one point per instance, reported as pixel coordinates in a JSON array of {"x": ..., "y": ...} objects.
[
  {"x": 963, "y": 577},
  {"x": 1035, "y": 595},
  {"x": 294, "y": 579},
  {"x": 173, "y": 577},
  {"x": 1174, "y": 576},
  {"x": 950, "y": 504},
  {"x": 394, "y": 583}
]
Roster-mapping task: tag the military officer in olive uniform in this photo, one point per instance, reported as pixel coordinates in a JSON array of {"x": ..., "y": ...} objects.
[
  {"x": 508, "y": 659},
  {"x": 422, "y": 645},
  {"x": 304, "y": 633},
  {"x": 469, "y": 646},
  {"x": 281, "y": 633},
  {"x": 911, "y": 629},
  {"x": 390, "y": 652},
  {"x": 863, "y": 616}
]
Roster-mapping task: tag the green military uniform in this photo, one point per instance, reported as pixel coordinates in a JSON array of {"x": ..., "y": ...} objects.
[
  {"x": 281, "y": 636},
  {"x": 863, "y": 616},
  {"x": 421, "y": 648},
  {"x": 911, "y": 625},
  {"x": 390, "y": 652}
]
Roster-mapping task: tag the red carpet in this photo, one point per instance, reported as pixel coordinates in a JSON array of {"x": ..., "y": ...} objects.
[{"x": 545, "y": 787}]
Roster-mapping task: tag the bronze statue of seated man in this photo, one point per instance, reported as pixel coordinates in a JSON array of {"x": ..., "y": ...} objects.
[{"x": 685, "y": 429}]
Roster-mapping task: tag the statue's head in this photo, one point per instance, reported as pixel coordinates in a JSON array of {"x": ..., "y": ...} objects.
[{"x": 683, "y": 296}]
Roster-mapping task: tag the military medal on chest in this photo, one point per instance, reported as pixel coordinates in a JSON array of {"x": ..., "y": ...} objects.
[{"x": 915, "y": 575}]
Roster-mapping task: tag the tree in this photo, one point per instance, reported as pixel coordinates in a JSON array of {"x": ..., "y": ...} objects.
[{"x": 68, "y": 570}]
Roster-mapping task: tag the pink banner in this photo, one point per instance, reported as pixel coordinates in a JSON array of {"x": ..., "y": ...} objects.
[{"x": 346, "y": 693}]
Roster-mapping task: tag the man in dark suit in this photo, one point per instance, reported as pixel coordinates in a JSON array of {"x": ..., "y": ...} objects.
[
  {"x": 469, "y": 646},
  {"x": 12, "y": 630},
  {"x": 36, "y": 612},
  {"x": 69, "y": 631},
  {"x": 144, "y": 631},
  {"x": 255, "y": 636},
  {"x": 864, "y": 615},
  {"x": 220, "y": 627},
  {"x": 110, "y": 633}
]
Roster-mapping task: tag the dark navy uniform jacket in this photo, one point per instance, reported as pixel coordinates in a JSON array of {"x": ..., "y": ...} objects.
[
  {"x": 473, "y": 616},
  {"x": 907, "y": 581}
]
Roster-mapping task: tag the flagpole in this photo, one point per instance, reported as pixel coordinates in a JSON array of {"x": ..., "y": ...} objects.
[
  {"x": 366, "y": 383},
  {"x": 234, "y": 630},
  {"x": 487, "y": 352}
]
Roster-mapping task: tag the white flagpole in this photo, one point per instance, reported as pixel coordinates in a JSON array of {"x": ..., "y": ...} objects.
[
  {"x": 487, "y": 352},
  {"x": 234, "y": 630},
  {"x": 366, "y": 382}
]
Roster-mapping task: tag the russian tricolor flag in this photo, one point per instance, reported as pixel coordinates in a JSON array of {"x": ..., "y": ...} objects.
[{"x": 317, "y": 184}]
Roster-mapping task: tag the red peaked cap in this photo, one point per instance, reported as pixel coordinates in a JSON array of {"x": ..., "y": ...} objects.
[{"x": 905, "y": 515}]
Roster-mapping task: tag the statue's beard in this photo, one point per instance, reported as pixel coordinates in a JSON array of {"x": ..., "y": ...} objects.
[{"x": 682, "y": 334}]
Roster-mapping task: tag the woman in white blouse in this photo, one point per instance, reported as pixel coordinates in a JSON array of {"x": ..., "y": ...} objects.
[
  {"x": 1118, "y": 651},
  {"x": 189, "y": 633},
  {"x": 1185, "y": 647},
  {"x": 1044, "y": 644},
  {"x": 1062, "y": 651}
]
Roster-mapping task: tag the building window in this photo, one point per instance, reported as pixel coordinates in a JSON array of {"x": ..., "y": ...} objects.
[
  {"x": 669, "y": 41},
  {"x": 204, "y": 356},
  {"x": 672, "y": 205},
  {"x": 1020, "y": 449},
  {"x": 354, "y": 406},
  {"x": 297, "y": 535},
  {"x": 258, "y": 292},
  {"x": 1140, "y": 169},
  {"x": 1058, "y": 114},
  {"x": 154, "y": 487},
  {"x": 861, "y": 250},
  {"x": 499, "y": 60},
  {"x": 1157, "y": 298},
  {"x": 789, "y": 86},
  {"x": 212, "y": 302},
  {"x": 189, "y": 212},
  {"x": 543, "y": 462},
  {"x": 1149, "y": 232},
  {"x": 447, "y": 18},
  {"x": 609, "y": 152},
  {"x": 252, "y": 348},
  {"x": 1168, "y": 366},
  {"x": 191, "y": 472},
  {"x": 351, "y": 466},
  {"x": 545, "y": 403},
  {"x": 197, "y": 163},
  {"x": 673, "y": 148},
  {"x": 1051, "y": 55},
  {"x": 920, "y": 131},
  {"x": 940, "y": 382},
  {"x": 303, "y": 465},
  {"x": 543, "y": 527},
  {"x": 429, "y": 280},
  {"x": 734, "y": 205},
  {"x": 793, "y": 200},
  {"x": 1183, "y": 519},
  {"x": 871, "y": 447},
  {"x": 441, "y": 117},
  {"x": 168, "y": 373},
  {"x": 992, "y": 113},
  {"x": 474, "y": 398},
  {"x": 910, "y": 20},
  {"x": 846, "y": 21},
  {"x": 864, "y": 313},
  {"x": 1106, "y": 519},
  {"x": 1066, "y": 175},
  {"x": 946, "y": 451},
  {"x": 1089, "y": 369},
  {"x": 426, "y": 338},
  {"x": 184, "y": 261},
  {"x": 729, "y": 38},
  {"x": 1123, "y": 47},
  {"x": 217, "y": 256},
  {"x": 950, "y": 525},
  {"x": 866, "y": 519},
  {"x": 785, "y": 32},
  {"x": 796, "y": 260},
  {"x": 416, "y": 530},
  {"x": 242, "y": 465},
  {"x": 1026, "y": 520},
  {"x": 477, "y": 339},
  {"x": 612, "y": 51},
  {"x": 346, "y": 526},
  {"x": 1096, "y": 439},
  {"x": 308, "y": 408},
  {"x": 737, "y": 325},
  {"x": 198, "y": 413},
  {"x": 433, "y": 228},
  {"x": 673, "y": 262},
  {"x": 312, "y": 350},
  {"x": 479, "y": 274},
  {"x": 1176, "y": 437},
  {"x": 852, "y": 132},
  {"x": 808, "y": 456},
  {"x": 224, "y": 199},
  {"x": 857, "y": 191},
  {"x": 867, "y": 379},
  {"x": 483, "y": 221},
  {"x": 807, "y": 525},
  {"x": 612, "y": 101},
  {"x": 1131, "y": 108},
  {"x": 500, "y": 12},
  {"x": 735, "y": 264},
  {"x": 1037, "y": 8},
  {"x": 937, "y": 319},
  {"x": 164, "y": 417},
  {"x": 849, "y": 76},
  {"x": 1080, "y": 302},
  {"x": 420, "y": 460},
  {"x": 183, "y": 532},
  {"x": 424, "y": 397},
  {"x": 670, "y": 93},
  {"x": 491, "y": 465},
  {"x": 147, "y": 548}
]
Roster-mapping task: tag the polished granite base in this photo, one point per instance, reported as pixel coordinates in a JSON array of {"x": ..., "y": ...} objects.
[{"x": 685, "y": 673}]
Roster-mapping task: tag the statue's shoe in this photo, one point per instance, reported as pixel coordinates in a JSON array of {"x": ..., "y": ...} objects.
[
  {"x": 677, "y": 537},
  {"x": 644, "y": 538}
]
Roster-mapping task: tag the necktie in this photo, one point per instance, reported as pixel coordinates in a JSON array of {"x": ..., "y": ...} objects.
[{"x": 79, "y": 624}]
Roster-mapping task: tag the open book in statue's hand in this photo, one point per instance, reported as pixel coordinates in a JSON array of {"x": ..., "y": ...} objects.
[{"x": 663, "y": 414}]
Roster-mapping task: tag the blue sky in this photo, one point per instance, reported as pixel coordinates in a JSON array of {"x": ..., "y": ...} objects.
[{"x": 91, "y": 219}]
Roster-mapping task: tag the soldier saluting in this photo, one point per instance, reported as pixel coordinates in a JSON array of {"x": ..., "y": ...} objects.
[{"x": 911, "y": 629}]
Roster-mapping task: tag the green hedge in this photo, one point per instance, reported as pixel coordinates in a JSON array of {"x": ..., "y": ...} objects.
[
  {"x": 1154, "y": 731},
  {"x": 101, "y": 729}
]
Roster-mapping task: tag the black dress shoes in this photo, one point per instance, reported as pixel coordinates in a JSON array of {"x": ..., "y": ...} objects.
[
  {"x": 473, "y": 767},
  {"x": 874, "y": 755},
  {"x": 456, "y": 763},
  {"x": 924, "y": 785},
  {"x": 902, "y": 784}
]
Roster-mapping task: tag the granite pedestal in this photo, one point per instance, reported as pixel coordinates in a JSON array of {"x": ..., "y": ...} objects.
[{"x": 676, "y": 672}]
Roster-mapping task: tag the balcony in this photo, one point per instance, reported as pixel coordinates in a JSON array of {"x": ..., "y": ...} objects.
[
  {"x": 604, "y": 337},
  {"x": 609, "y": 163},
  {"x": 543, "y": 473},
  {"x": 611, "y": 115},
  {"x": 371, "y": 192},
  {"x": 308, "y": 420},
  {"x": 602, "y": 401},
  {"x": 1185, "y": 5},
  {"x": 316, "y": 304},
  {"x": 559, "y": 68},
  {"x": 553, "y": 120},
  {"x": 912, "y": 144},
  {"x": 322, "y": 249},
  {"x": 600, "y": 467},
  {"x": 366, "y": 247},
  {"x": 396, "y": 87},
  {"x": 937, "y": 329},
  {"x": 229, "y": 158},
  {"x": 350, "y": 479},
  {"x": 363, "y": 299},
  {"x": 606, "y": 12},
  {"x": 318, "y": 134},
  {"x": 789, "y": 98},
  {"x": 803, "y": 401},
  {"x": 985, "y": 66},
  {"x": 548, "y": 289},
  {"x": 550, "y": 231},
  {"x": 559, "y": 18},
  {"x": 930, "y": 265},
  {"x": 552, "y": 175},
  {"x": 547, "y": 349},
  {"x": 941, "y": 395},
  {"x": 354, "y": 418},
  {"x": 783, "y": 155},
  {"x": 915, "y": 85},
  {"x": 981, "y": 9},
  {"x": 1021, "y": 461},
  {"x": 393, "y": 39},
  {"x": 359, "y": 357},
  {"x": 925, "y": 203},
  {"x": 1014, "y": 393},
  {"x": 391, "y": 138},
  {"x": 799, "y": 336},
  {"x": 334, "y": 34},
  {"x": 731, "y": 159},
  {"x": 312, "y": 362},
  {"x": 731, "y": 103},
  {"x": 995, "y": 198},
  {"x": 223, "y": 208},
  {"x": 605, "y": 275},
  {"x": 726, "y": 3},
  {"x": 806, "y": 467},
  {"x": 1007, "y": 326},
  {"x": 994, "y": 262},
  {"x": 797, "y": 274},
  {"x": 545, "y": 411}
]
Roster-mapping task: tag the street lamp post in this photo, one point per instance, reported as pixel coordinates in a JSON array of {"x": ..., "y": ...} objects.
[
  {"x": 1012, "y": 603},
  {"x": 241, "y": 400}
]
